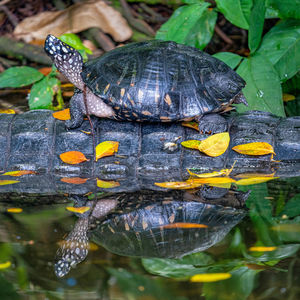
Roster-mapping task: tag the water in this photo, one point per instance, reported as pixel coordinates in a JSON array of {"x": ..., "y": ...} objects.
[{"x": 29, "y": 242}]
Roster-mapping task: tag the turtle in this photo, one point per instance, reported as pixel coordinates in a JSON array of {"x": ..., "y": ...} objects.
[
  {"x": 151, "y": 81},
  {"x": 150, "y": 224}
]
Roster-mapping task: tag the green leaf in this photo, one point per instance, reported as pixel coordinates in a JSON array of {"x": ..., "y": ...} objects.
[
  {"x": 236, "y": 11},
  {"x": 256, "y": 24},
  {"x": 19, "y": 76},
  {"x": 42, "y": 93},
  {"x": 287, "y": 8},
  {"x": 74, "y": 41},
  {"x": 292, "y": 208},
  {"x": 282, "y": 47},
  {"x": 231, "y": 59},
  {"x": 263, "y": 89},
  {"x": 192, "y": 25}
]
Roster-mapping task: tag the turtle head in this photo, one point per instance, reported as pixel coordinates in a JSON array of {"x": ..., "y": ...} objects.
[{"x": 66, "y": 59}]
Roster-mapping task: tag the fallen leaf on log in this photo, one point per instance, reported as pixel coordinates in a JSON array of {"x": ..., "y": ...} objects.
[
  {"x": 18, "y": 173},
  {"x": 254, "y": 180},
  {"x": 74, "y": 180},
  {"x": 80, "y": 210},
  {"x": 106, "y": 148},
  {"x": 6, "y": 182},
  {"x": 215, "y": 145},
  {"x": 257, "y": 148},
  {"x": 7, "y": 111},
  {"x": 191, "y": 144},
  {"x": 62, "y": 114},
  {"x": 107, "y": 184},
  {"x": 73, "y": 157},
  {"x": 193, "y": 125},
  {"x": 75, "y": 18}
]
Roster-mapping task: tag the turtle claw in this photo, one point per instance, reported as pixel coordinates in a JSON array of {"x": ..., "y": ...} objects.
[{"x": 240, "y": 98}]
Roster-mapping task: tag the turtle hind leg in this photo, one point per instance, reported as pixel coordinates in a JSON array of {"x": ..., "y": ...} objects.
[
  {"x": 240, "y": 98},
  {"x": 77, "y": 110},
  {"x": 212, "y": 123}
]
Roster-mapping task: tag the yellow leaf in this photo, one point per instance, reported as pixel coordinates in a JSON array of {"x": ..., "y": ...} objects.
[
  {"x": 5, "y": 265},
  {"x": 178, "y": 185},
  {"x": 193, "y": 125},
  {"x": 183, "y": 225},
  {"x": 18, "y": 173},
  {"x": 210, "y": 277},
  {"x": 74, "y": 180},
  {"x": 254, "y": 180},
  {"x": 262, "y": 249},
  {"x": 93, "y": 246},
  {"x": 191, "y": 144},
  {"x": 215, "y": 145},
  {"x": 5, "y": 182},
  {"x": 62, "y": 114},
  {"x": 80, "y": 210},
  {"x": 73, "y": 157},
  {"x": 288, "y": 97},
  {"x": 106, "y": 148},
  {"x": 107, "y": 184},
  {"x": 86, "y": 132},
  {"x": 257, "y": 148},
  {"x": 15, "y": 210},
  {"x": 7, "y": 111},
  {"x": 252, "y": 175},
  {"x": 225, "y": 172},
  {"x": 224, "y": 182}
]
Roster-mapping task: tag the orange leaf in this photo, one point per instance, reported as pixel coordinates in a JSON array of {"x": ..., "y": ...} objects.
[
  {"x": 254, "y": 180},
  {"x": 262, "y": 249},
  {"x": 18, "y": 173},
  {"x": 5, "y": 182},
  {"x": 192, "y": 144},
  {"x": 210, "y": 277},
  {"x": 184, "y": 225},
  {"x": 107, "y": 184},
  {"x": 106, "y": 148},
  {"x": 215, "y": 145},
  {"x": 5, "y": 265},
  {"x": 62, "y": 114},
  {"x": 193, "y": 125},
  {"x": 74, "y": 180},
  {"x": 257, "y": 148},
  {"x": 7, "y": 111},
  {"x": 80, "y": 210},
  {"x": 45, "y": 71},
  {"x": 73, "y": 157},
  {"x": 15, "y": 210}
]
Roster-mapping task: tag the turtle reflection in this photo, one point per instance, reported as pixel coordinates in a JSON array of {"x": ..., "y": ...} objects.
[{"x": 153, "y": 224}]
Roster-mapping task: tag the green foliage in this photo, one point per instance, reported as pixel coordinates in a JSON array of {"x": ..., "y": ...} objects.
[{"x": 231, "y": 59}]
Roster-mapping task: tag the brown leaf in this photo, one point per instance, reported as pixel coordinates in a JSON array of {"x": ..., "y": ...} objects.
[
  {"x": 18, "y": 173},
  {"x": 193, "y": 125},
  {"x": 75, "y": 18},
  {"x": 257, "y": 148},
  {"x": 215, "y": 145},
  {"x": 73, "y": 157},
  {"x": 106, "y": 148},
  {"x": 74, "y": 180},
  {"x": 62, "y": 114}
]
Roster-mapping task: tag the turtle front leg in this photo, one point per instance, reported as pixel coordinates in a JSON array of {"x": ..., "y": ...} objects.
[
  {"x": 212, "y": 123},
  {"x": 77, "y": 110}
]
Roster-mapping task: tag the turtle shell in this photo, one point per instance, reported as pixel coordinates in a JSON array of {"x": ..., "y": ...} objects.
[
  {"x": 166, "y": 228},
  {"x": 161, "y": 81}
]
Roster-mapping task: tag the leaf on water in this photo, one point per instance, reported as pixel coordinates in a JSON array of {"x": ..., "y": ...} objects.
[
  {"x": 215, "y": 145},
  {"x": 225, "y": 172},
  {"x": 257, "y": 148},
  {"x": 213, "y": 181},
  {"x": 6, "y": 182},
  {"x": 106, "y": 148},
  {"x": 253, "y": 175},
  {"x": 80, "y": 210},
  {"x": 183, "y": 225},
  {"x": 73, "y": 157},
  {"x": 7, "y": 111},
  {"x": 210, "y": 277},
  {"x": 191, "y": 144},
  {"x": 18, "y": 173},
  {"x": 62, "y": 114},
  {"x": 15, "y": 210},
  {"x": 254, "y": 180},
  {"x": 178, "y": 185},
  {"x": 288, "y": 97},
  {"x": 5, "y": 265},
  {"x": 262, "y": 249},
  {"x": 107, "y": 184},
  {"x": 74, "y": 180},
  {"x": 193, "y": 125}
]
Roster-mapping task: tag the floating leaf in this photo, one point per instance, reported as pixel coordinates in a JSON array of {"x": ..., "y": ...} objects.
[
  {"x": 62, "y": 114},
  {"x": 80, "y": 210},
  {"x": 225, "y": 172},
  {"x": 262, "y": 249},
  {"x": 253, "y": 175},
  {"x": 5, "y": 182},
  {"x": 5, "y": 265},
  {"x": 15, "y": 210},
  {"x": 254, "y": 180},
  {"x": 191, "y": 144},
  {"x": 178, "y": 185},
  {"x": 214, "y": 181},
  {"x": 73, "y": 157},
  {"x": 193, "y": 125},
  {"x": 184, "y": 225},
  {"x": 257, "y": 148},
  {"x": 106, "y": 148},
  {"x": 18, "y": 173},
  {"x": 74, "y": 180},
  {"x": 7, "y": 111},
  {"x": 210, "y": 277},
  {"x": 215, "y": 145},
  {"x": 107, "y": 184}
]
